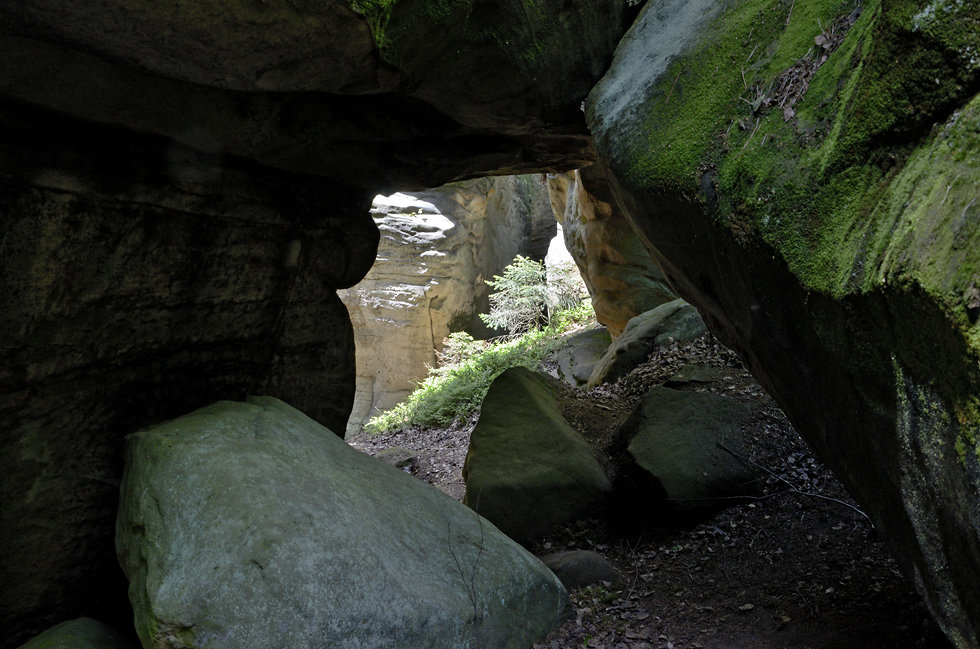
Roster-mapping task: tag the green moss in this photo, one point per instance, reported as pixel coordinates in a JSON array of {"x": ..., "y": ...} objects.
[
  {"x": 706, "y": 105},
  {"x": 377, "y": 13},
  {"x": 867, "y": 189},
  {"x": 812, "y": 185}
]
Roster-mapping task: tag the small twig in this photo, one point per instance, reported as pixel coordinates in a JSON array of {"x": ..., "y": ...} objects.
[
  {"x": 790, "y": 485},
  {"x": 790, "y": 12},
  {"x": 752, "y": 52},
  {"x": 672, "y": 87},
  {"x": 757, "y": 122},
  {"x": 948, "y": 187}
]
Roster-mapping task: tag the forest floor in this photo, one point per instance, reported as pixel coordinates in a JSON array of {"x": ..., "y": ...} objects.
[{"x": 799, "y": 568}]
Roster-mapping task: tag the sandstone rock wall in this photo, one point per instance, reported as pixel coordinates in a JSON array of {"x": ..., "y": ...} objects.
[
  {"x": 833, "y": 176},
  {"x": 437, "y": 248},
  {"x": 622, "y": 277},
  {"x": 140, "y": 279}
]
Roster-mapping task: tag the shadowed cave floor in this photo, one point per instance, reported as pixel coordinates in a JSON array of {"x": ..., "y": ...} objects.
[{"x": 797, "y": 569}]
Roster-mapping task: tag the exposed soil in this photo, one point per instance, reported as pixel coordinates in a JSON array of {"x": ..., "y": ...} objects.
[{"x": 799, "y": 568}]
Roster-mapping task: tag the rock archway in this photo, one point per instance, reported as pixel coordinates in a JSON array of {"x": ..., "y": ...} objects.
[{"x": 183, "y": 192}]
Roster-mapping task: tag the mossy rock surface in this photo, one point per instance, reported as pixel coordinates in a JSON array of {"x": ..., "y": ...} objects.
[
  {"x": 684, "y": 442},
  {"x": 675, "y": 320},
  {"x": 806, "y": 174},
  {"x": 527, "y": 470}
]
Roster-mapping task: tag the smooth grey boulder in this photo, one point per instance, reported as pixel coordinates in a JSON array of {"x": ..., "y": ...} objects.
[
  {"x": 581, "y": 352},
  {"x": 527, "y": 470},
  {"x": 250, "y": 525},
  {"x": 83, "y": 633},
  {"x": 679, "y": 440},
  {"x": 580, "y": 568},
  {"x": 676, "y": 320}
]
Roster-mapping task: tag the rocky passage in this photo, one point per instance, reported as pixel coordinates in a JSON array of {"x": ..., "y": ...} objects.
[
  {"x": 182, "y": 193},
  {"x": 797, "y": 568}
]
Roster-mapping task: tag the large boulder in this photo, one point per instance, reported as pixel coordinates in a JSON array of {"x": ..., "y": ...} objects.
[
  {"x": 83, "y": 633},
  {"x": 676, "y": 320},
  {"x": 581, "y": 568},
  {"x": 251, "y": 525},
  {"x": 579, "y": 354},
  {"x": 621, "y": 275},
  {"x": 685, "y": 443},
  {"x": 437, "y": 247},
  {"x": 527, "y": 470},
  {"x": 832, "y": 172}
]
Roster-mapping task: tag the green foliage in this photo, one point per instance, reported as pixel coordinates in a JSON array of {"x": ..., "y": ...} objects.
[
  {"x": 520, "y": 298},
  {"x": 458, "y": 347},
  {"x": 575, "y": 317},
  {"x": 527, "y": 295},
  {"x": 377, "y": 13},
  {"x": 456, "y": 390}
]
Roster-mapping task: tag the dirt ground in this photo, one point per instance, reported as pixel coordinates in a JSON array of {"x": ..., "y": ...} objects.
[{"x": 798, "y": 568}]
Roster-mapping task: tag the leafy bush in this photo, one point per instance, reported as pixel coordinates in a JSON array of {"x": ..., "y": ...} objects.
[
  {"x": 458, "y": 347},
  {"x": 520, "y": 298}
]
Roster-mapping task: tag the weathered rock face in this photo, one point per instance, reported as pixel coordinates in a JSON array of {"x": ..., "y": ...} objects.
[
  {"x": 141, "y": 279},
  {"x": 250, "y": 525},
  {"x": 579, "y": 355},
  {"x": 621, "y": 275},
  {"x": 436, "y": 249},
  {"x": 680, "y": 441},
  {"x": 182, "y": 193},
  {"x": 837, "y": 193},
  {"x": 404, "y": 94},
  {"x": 676, "y": 320}
]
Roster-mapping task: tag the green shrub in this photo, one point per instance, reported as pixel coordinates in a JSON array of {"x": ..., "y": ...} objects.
[{"x": 455, "y": 391}]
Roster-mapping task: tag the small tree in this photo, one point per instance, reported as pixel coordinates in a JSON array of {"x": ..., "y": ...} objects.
[
  {"x": 520, "y": 297},
  {"x": 525, "y": 297}
]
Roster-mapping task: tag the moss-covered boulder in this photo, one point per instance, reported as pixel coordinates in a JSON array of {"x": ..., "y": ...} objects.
[
  {"x": 675, "y": 320},
  {"x": 527, "y": 470},
  {"x": 579, "y": 354},
  {"x": 250, "y": 525},
  {"x": 83, "y": 633},
  {"x": 684, "y": 445},
  {"x": 827, "y": 154}
]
